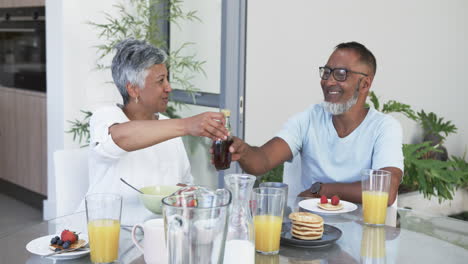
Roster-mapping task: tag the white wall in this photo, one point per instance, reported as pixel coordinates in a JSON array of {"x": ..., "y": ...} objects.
[
  {"x": 420, "y": 48},
  {"x": 72, "y": 84}
]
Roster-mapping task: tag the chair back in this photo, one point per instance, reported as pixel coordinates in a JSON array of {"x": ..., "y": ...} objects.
[
  {"x": 71, "y": 179},
  {"x": 292, "y": 172}
]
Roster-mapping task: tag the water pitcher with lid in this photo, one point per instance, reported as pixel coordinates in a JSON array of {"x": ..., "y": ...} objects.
[{"x": 196, "y": 223}]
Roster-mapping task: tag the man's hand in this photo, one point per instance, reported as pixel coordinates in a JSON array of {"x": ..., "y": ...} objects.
[
  {"x": 209, "y": 124},
  {"x": 238, "y": 148}
]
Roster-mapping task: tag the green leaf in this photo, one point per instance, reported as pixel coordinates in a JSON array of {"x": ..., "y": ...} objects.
[
  {"x": 375, "y": 100},
  {"x": 397, "y": 107},
  {"x": 274, "y": 175},
  {"x": 432, "y": 124}
]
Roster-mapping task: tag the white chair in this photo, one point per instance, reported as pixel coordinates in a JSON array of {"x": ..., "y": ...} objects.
[
  {"x": 292, "y": 176},
  {"x": 71, "y": 179}
]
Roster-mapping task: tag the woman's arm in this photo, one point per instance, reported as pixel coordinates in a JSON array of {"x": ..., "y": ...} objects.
[{"x": 139, "y": 134}]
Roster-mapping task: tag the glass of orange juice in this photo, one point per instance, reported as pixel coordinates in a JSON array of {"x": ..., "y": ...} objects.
[
  {"x": 267, "y": 207},
  {"x": 375, "y": 187},
  {"x": 103, "y": 211}
]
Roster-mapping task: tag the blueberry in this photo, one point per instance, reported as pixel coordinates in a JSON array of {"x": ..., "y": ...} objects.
[
  {"x": 57, "y": 237},
  {"x": 66, "y": 244},
  {"x": 59, "y": 242},
  {"x": 53, "y": 241}
]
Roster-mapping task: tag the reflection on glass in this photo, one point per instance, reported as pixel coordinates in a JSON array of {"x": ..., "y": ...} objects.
[
  {"x": 198, "y": 150},
  {"x": 266, "y": 259},
  {"x": 22, "y": 48},
  {"x": 373, "y": 245},
  {"x": 301, "y": 261}
]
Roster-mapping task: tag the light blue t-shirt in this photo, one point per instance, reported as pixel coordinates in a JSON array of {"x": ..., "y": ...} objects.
[{"x": 325, "y": 157}]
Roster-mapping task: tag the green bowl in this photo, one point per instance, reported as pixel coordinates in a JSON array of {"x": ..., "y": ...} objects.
[{"x": 152, "y": 196}]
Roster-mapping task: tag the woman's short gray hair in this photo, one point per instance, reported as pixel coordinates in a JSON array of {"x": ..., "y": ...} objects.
[{"x": 131, "y": 62}]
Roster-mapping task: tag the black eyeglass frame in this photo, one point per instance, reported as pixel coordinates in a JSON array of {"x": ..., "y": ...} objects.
[{"x": 332, "y": 72}]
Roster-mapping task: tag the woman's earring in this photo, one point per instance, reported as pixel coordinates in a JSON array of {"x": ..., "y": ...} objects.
[{"x": 136, "y": 100}]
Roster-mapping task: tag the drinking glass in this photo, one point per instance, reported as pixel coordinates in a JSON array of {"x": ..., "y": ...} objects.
[
  {"x": 282, "y": 186},
  {"x": 267, "y": 207},
  {"x": 375, "y": 187},
  {"x": 103, "y": 212}
]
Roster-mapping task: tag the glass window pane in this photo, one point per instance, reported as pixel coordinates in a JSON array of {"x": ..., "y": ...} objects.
[
  {"x": 198, "y": 149},
  {"x": 206, "y": 36}
]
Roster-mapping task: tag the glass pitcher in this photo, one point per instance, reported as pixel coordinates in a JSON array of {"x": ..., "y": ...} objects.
[
  {"x": 196, "y": 224},
  {"x": 240, "y": 240}
]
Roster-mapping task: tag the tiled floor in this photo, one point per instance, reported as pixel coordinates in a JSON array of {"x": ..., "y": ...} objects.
[{"x": 15, "y": 215}]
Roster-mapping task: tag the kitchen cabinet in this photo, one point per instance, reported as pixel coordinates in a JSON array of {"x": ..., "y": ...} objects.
[
  {"x": 23, "y": 138},
  {"x": 21, "y": 3}
]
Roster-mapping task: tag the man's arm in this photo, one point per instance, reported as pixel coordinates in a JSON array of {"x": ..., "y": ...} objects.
[
  {"x": 258, "y": 160},
  {"x": 352, "y": 191}
]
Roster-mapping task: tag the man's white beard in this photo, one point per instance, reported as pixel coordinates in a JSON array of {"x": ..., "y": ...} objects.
[{"x": 337, "y": 108}]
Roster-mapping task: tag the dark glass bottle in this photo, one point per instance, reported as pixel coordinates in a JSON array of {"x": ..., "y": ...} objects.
[{"x": 222, "y": 156}]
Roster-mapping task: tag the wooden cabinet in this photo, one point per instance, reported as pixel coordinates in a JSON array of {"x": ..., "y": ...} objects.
[
  {"x": 23, "y": 137},
  {"x": 21, "y": 3}
]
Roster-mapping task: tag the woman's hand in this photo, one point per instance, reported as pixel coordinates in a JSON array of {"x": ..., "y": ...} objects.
[{"x": 208, "y": 124}]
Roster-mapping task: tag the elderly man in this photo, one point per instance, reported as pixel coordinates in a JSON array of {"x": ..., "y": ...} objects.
[{"x": 338, "y": 138}]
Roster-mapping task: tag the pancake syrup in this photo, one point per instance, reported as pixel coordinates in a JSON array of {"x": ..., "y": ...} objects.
[{"x": 221, "y": 154}]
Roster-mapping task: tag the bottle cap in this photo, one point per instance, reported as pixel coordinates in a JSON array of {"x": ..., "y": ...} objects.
[{"x": 226, "y": 112}]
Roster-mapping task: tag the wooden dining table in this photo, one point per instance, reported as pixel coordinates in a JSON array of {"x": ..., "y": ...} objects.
[{"x": 417, "y": 238}]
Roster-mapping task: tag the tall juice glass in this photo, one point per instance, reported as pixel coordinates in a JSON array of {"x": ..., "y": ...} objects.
[
  {"x": 267, "y": 207},
  {"x": 375, "y": 188},
  {"x": 282, "y": 186},
  {"x": 103, "y": 212}
]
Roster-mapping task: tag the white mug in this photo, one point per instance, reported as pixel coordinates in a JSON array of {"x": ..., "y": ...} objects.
[{"x": 154, "y": 243}]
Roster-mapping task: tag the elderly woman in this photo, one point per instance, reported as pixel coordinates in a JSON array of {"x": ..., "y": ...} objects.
[{"x": 134, "y": 141}]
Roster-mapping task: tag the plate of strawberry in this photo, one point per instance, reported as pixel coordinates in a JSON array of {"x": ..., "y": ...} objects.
[
  {"x": 325, "y": 205},
  {"x": 65, "y": 241}
]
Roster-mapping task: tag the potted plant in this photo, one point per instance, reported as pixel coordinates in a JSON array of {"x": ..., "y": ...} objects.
[{"x": 427, "y": 167}]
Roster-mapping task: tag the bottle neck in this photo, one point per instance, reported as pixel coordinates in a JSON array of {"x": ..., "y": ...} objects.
[{"x": 228, "y": 124}]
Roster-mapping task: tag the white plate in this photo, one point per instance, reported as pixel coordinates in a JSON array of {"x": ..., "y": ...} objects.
[
  {"x": 40, "y": 246},
  {"x": 311, "y": 205}
]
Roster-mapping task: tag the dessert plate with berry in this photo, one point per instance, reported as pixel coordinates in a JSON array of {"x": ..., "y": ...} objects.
[
  {"x": 66, "y": 245},
  {"x": 325, "y": 205}
]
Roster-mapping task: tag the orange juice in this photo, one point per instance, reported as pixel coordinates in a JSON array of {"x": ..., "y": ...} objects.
[
  {"x": 374, "y": 207},
  {"x": 104, "y": 240},
  {"x": 267, "y": 232}
]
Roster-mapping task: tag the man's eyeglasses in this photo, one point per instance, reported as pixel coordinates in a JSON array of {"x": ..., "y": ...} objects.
[{"x": 339, "y": 74}]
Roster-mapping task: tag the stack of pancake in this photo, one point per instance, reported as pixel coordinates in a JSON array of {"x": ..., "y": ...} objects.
[{"x": 306, "y": 226}]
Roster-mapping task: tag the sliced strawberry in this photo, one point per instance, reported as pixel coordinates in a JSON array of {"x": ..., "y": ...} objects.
[
  {"x": 323, "y": 199},
  {"x": 192, "y": 203},
  {"x": 335, "y": 200}
]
